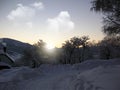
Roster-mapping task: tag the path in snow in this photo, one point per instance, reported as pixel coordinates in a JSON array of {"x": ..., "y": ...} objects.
[{"x": 90, "y": 75}]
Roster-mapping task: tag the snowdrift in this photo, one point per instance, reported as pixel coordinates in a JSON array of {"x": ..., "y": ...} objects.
[{"x": 89, "y": 75}]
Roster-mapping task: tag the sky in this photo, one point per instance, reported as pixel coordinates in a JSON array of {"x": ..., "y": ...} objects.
[{"x": 53, "y": 21}]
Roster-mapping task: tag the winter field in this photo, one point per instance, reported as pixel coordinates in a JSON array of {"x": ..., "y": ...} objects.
[{"x": 89, "y": 75}]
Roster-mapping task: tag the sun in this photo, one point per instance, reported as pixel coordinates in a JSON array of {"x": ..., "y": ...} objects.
[{"x": 50, "y": 46}]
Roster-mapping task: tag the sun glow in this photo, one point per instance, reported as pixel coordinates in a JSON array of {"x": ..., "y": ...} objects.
[{"x": 50, "y": 46}]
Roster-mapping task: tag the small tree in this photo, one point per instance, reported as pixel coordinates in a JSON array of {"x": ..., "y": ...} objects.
[
  {"x": 40, "y": 49},
  {"x": 84, "y": 43},
  {"x": 110, "y": 47},
  {"x": 31, "y": 57},
  {"x": 67, "y": 52}
]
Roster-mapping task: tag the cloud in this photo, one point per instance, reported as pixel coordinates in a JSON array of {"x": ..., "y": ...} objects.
[
  {"x": 21, "y": 13},
  {"x": 38, "y": 5},
  {"x": 62, "y": 22},
  {"x": 24, "y": 15}
]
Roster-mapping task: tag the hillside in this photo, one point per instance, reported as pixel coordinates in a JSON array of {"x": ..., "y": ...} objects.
[{"x": 14, "y": 47}]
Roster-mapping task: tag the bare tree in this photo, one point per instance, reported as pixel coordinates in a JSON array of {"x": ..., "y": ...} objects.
[
  {"x": 84, "y": 43},
  {"x": 110, "y": 47},
  {"x": 75, "y": 48}
]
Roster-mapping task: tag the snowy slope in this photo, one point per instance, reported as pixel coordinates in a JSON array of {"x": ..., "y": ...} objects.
[{"x": 89, "y": 75}]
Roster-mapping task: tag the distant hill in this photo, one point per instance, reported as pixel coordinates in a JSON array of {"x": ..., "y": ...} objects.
[{"x": 15, "y": 47}]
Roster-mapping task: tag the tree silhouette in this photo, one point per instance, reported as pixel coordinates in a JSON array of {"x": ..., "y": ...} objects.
[
  {"x": 75, "y": 48},
  {"x": 84, "y": 42},
  {"x": 110, "y": 10},
  {"x": 67, "y": 51},
  {"x": 110, "y": 47}
]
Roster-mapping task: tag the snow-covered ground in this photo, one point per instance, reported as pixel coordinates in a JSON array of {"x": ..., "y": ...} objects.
[{"x": 89, "y": 75}]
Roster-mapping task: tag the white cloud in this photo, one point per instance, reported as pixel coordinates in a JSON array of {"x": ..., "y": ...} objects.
[
  {"x": 21, "y": 13},
  {"x": 61, "y": 23},
  {"x": 24, "y": 15},
  {"x": 38, "y": 5}
]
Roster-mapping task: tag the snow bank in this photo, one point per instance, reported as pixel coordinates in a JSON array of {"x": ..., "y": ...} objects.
[
  {"x": 18, "y": 74},
  {"x": 100, "y": 78},
  {"x": 90, "y": 64},
  {"x": 89, "y": 75}
]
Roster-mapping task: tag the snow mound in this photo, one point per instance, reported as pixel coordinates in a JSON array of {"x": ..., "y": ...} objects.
[
  {"x": 90, "y": 64},
  {"x": 89, "y": 75},
  {"x": 18, "y": 74},
  {"x": 100, "y": 78}
]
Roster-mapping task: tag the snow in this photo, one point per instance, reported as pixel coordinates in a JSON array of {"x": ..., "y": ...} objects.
[
  {"x": 4, "y": 64},
  {"x": 100, "y": 78},
  {"x": 89, "y": 75}
]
